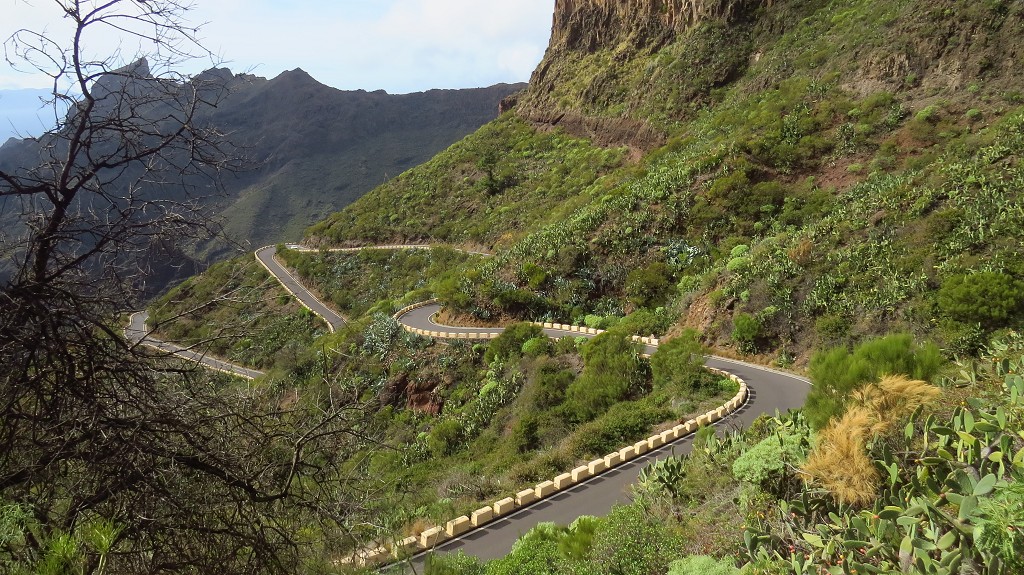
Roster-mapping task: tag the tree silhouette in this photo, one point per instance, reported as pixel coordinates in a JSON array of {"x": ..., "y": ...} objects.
[{"x": 113, "y": 459}]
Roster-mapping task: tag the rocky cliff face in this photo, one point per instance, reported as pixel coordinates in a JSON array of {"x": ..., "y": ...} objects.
[
  {"x": 589, "y": 24},
  {"x": 589, "y": 82}
]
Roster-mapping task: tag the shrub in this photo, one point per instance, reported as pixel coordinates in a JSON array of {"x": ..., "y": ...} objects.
[
  {"x": 565, "y": 345},
  {"x": 992, "y": 299},
  {"x": 739, "y": 251},
  {"x": 519, "y": 301},
  {"x": 679, "y": 363},
  {"x": 633, "y": 542},
  {"x": 548, "y": 549},
  {"x": 645, "y": 322},
  {"x": 613, "y": 371},
  {"x": 535, "y": 275},
  {"x": 746, "y": 330},
  {"x": 599, "y": 321},
  {"x": 832, "y": 328},
  {"x": 649, "y": 286},
  {"x": 524, "y": 436},
  {"x": 444, "y": 439},
  {"x": 738, "y": 264},
  {"x": 537, "y": 346},
  {"x": 1001, "y": 532},
  {"x": 456, "y": 564},
  {"x": 840, "y": 461},
  {"x": 766, "y": 462},
  {"x": 702, "y": 565},
  {"x": 549, "y": 387},
  {"x": 837, "y": 372},
  {"x": 509, "y": 344},
  {"x": 623, "y": 423}
]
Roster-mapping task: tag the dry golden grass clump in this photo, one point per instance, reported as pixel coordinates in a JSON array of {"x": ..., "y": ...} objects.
[{"x": 840, "y": 461}]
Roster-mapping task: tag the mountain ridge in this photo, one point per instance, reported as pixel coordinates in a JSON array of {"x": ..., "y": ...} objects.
[{"x": 314, "y": 148}]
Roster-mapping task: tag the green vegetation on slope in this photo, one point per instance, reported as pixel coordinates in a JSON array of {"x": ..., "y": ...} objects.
[
  {"x": 459, "y": 424},
  {"x": 831, "y": 171},
  {"x": 353, "y": 282},
  {"x": 943, "y": 493},
  {"x": 496, "y": 181},
  {"x": 239, "y": 312},
  {"x": 799, "y": 208}
]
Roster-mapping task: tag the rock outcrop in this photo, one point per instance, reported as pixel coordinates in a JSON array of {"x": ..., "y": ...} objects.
[
  {"x": 589, "y": 24},
  {"x": 599, "y": 102}
]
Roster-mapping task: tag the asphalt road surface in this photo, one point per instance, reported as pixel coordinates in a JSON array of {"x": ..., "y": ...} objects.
[
  {"x": 293, "y": 285},
  {"x": 137, "y": 333}
]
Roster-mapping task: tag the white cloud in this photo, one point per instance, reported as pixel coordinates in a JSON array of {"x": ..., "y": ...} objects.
[{"x": 397, "y": 45}]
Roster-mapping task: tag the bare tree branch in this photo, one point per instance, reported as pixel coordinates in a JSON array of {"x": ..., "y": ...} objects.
[{"x": 198, "y": 473}]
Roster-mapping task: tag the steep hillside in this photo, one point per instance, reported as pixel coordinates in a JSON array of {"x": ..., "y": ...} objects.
[
  {"x": 781, "y": 175},
  {"x": 323, "y": 148}
]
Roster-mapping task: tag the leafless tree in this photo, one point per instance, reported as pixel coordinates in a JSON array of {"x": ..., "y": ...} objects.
[{"x": 149, "y": 467}]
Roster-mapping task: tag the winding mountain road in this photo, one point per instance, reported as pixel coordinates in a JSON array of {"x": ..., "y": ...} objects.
[
  {"x": 266, "y": 257},
  {"x": 138, "y": 334},
  {"x": 770, "y": 391}
]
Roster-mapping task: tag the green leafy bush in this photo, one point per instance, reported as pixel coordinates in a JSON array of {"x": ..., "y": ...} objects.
[
  {"x": 509, "y": 344},
  {"x": 445, "y": 438},
  {"x": 1000, "y": 532},
  {"x": 702, "y": 565},
  {"x": 454, "y": 564},
  {"x": 613, "y": 370},
  {"x": 537, "y": 346},
  {"x": 634, "y": 543},
  {"x": 535, "y": 553},
  {"x": 549, "y": 386},
  {"x": 649, "y": 286},
  {"x": 747, "y": 329},
  {"x": 992, "y": 299},
  {"x": 645, "y": 322},
  {"x": 524, "y": 436},
  {"x": 623, "y": 423},
  {"x": 678, "y": 364},
  {"x": 832, "y": 328},
  {"x": 767, "y": 462},
  {"x": 837, "y": 372}
]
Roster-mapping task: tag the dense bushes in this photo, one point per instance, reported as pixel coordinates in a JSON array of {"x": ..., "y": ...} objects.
[
  {"x": 609, "y": 432},
  {"x": 991, "y": 299},
  {"x": 649, "y": 286},
  {"x": 747, "y": 329},
  {"x": 837, "y": 373},
  {"x": 509, "y": 345},
  {"x": 613, "y": 371},
  {"x": 678, "y": 365}
]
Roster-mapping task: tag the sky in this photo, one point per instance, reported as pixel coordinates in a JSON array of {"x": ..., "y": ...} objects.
[{"x": 400, "y": 46}]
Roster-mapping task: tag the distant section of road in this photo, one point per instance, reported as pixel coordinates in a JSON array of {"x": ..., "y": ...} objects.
[
  {"x": 137, "y": 333},
  {"x": 266, "y": 257}
]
